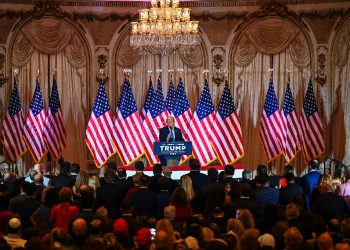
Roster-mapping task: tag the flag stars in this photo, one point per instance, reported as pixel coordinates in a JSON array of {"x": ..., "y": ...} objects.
[
  {"x": 101, "y": 105},
  {"x": 271, "y": 104},
  {"x": 205, "y": 105}
]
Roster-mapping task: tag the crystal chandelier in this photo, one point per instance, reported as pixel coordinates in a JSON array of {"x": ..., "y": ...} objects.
[{"x": 164, "y": 29}]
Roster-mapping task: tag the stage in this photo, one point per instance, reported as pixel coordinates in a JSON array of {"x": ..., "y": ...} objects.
[{"x": 178, "y": 171}]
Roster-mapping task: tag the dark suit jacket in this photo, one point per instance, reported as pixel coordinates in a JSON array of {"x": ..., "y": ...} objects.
[{"x": 163, "y": 134}]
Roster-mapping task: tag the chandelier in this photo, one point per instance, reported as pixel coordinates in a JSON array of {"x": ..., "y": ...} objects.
[{"x": 164, "y": 29}]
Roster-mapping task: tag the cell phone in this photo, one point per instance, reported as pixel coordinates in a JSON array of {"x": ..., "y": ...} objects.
[
  {"x": 153, "y": 233},
  {"x": 238, "y": 212}
]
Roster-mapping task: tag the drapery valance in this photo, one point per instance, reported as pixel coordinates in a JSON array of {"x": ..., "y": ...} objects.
[
  {"x": 48, "y": 35},
  {"x": 271, "y": 36}
]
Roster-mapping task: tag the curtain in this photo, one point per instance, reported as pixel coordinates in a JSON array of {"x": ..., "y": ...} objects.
[
  {"x": 46, "y": 44},
  {"x": 251, "y": 56}
]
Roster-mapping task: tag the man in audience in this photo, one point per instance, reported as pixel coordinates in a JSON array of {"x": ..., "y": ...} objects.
[
  {"x": 292, "y": 189},
  {"x": 198, "y": 179},
  {"x": 265, "y": 194},
  {"x": 25, "y": 204},
  {"x": 63, "y": 179},
  {"x": 213, "y": 193},
  {"x": 228, "y": 176},
  {"x": 329, "y": 205},
  {"x": 13, "y": 237},
  {"x": 109, "y": 195},
  {"x": 173, "y": 184},
  {"x": 144, "y": 200},
  {"x": 157, "y": 174},
  {"x": 310, "y": 180},
  {"x": 74, "y": 170}
]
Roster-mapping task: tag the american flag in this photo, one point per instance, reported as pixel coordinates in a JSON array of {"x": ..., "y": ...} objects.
[
  {"x": 311, "y": 124},
  {"x": 170, "y": 98},
  {"x": 12, "y": 128},
  {"x": 99, "y": 137},
  {"x": 148, "y": 101},
  {"x": 33, "y": 129},
  {"x": 291, "y": 139},
  {"x": 200, "y": 128},
  {"x": 128, "y": 127},
  {"x": 54, "y": 131},
  {"x": 271, "y": 126},
  {"x": 227, "y": 135},
  {"x": 182, "y": 112},
  {"x": 155, "y": 119}
]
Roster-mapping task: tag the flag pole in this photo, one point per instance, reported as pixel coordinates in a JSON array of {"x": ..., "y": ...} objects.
[{"x": 180, "y": 70}]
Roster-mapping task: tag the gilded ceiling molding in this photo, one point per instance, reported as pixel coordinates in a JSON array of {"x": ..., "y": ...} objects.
[
  {"x": 273, "y": 8},
  {"x": 191, "y": 4}
]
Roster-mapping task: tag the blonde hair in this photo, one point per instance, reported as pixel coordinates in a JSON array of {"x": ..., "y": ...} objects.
[
  {"x": 186, "y": 184},
  {"x": 166, "y": 226}
]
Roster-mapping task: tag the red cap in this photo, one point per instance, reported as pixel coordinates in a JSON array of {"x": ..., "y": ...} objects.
[
  {"x": 143, "y": 236},
  {"x": 120, "y": 225}
]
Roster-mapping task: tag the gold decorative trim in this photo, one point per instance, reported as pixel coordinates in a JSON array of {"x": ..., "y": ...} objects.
[{"x": 192, "y": 4}]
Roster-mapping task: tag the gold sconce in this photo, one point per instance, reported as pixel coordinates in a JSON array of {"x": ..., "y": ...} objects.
[{"x": 3, "y": 78}]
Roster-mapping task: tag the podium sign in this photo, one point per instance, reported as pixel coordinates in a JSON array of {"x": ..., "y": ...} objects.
[{"x": 173, "y": 148}]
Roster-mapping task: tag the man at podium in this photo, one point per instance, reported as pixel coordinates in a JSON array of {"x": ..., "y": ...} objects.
[{"x": 170, "y": 133}]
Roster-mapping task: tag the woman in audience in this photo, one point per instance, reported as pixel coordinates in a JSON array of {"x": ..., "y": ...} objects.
[
  {"x": 63, "y": 212},
  {"x": 166, "y": 226},
  {"x": 235, "y": 226},
  {"x": 246, "y": 217},
  {"x": 183, "y": 207}
]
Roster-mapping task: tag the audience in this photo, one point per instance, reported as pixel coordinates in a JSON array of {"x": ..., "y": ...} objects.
[{"x": 145, "y": 212}]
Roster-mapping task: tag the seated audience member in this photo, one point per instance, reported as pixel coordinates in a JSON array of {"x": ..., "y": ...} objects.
[
  {"x": 79, "y": 231},
  {"x": 329, "y": 205},
  {"x": 63, "y": 212},
  {"x": 143, "y": 238}
]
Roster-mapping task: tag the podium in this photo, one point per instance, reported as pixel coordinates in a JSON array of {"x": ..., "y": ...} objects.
[{"x": 172, "y": 151}]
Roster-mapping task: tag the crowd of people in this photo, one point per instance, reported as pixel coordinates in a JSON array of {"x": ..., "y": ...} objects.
[{"x": 79, "y": 210}]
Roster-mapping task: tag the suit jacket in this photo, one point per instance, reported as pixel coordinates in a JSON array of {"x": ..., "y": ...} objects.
[
  {"x": 163, "y": 134},
  {"x": 310, "y": 180}
]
